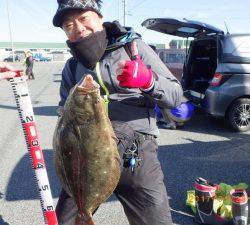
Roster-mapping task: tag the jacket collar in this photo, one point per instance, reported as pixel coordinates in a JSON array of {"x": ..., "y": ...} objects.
[{"x": 118, "y": 35}]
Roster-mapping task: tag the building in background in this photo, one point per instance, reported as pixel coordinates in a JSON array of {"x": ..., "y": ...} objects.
[
  {"x": 173, "y": 54},
  {"x": 41, "y": 51}
]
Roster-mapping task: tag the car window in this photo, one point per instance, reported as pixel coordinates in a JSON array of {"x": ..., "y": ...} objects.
[
  {"x": 236, "y": 49},
  {"x": 187, "y": 29},
  {"x": 172, "y": 55}
]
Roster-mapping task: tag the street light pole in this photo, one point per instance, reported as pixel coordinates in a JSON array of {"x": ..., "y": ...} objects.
[
  {"x": 11, "y": 40},
  {"x": 124, "y": 12},
  {"x": 118, "y": 10}
]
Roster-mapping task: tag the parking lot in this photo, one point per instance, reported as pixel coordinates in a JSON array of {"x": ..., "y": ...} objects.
[{"x": 203, "y": 148}]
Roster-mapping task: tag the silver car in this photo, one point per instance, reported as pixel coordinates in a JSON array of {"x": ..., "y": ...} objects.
[{"x": 216, "y": 73}]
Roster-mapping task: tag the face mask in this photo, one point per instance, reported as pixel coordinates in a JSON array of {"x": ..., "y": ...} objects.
[{"x": 90, "y": 49}]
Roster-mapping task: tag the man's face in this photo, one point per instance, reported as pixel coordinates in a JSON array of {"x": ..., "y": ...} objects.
[{"x": 79, "y": 24}]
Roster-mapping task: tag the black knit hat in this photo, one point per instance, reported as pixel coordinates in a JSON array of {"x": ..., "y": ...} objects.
[{"x": 67, "y": 5}]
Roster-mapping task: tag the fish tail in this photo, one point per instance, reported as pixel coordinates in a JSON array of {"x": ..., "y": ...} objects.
[{"x": 80, "y": 221}]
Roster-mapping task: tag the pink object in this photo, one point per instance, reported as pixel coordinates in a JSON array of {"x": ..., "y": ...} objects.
[
  {"x": 18, "y": 72},
  {"x": 136, "y": 74}
]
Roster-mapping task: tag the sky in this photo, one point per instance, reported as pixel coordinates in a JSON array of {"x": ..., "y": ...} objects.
[{"x": 31, "y": 20}]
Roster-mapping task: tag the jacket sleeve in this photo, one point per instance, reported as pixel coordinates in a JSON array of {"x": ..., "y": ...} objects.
[
  {"x": 167, "y": 91},
  {"x": 67, "y": 83}
]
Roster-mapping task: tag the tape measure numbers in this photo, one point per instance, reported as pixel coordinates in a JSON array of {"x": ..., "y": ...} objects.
[{"x": 26, "y": 114}]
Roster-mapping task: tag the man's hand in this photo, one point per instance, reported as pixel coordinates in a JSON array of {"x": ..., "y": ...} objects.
[
  {"x": 134, "y": 73},
  {"x": 6, "y": 71}
]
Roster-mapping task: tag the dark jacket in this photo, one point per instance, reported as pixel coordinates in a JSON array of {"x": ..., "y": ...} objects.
[
  {"x": 131, "y": 106},
  {"x": 29, "y": 61}
]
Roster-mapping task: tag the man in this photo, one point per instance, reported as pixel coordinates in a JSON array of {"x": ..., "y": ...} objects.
[
  {"x": 6, "y": 71},
  {"x": 29, "y": 62},
  {"x": 132, "y": 79}
]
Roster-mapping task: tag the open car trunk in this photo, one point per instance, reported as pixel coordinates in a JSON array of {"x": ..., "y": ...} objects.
[
  {"x": 201, "y": 61},
  {"x": 200, "y": 66}
]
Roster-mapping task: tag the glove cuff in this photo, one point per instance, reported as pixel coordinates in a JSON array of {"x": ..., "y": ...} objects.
[{"x": 150, "y": 84}]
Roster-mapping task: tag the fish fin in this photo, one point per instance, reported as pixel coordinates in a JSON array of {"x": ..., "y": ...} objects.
[
  {"x": 79, "y": 221},
  {"x": 90, "y": 222},
  {"x": 78, "y": 132}
]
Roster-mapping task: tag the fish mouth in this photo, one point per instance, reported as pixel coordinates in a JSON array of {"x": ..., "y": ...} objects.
[{"x": 88, "y": 85}]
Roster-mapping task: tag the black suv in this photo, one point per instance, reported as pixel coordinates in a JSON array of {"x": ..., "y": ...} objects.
[{"x": 216, "y": 72}]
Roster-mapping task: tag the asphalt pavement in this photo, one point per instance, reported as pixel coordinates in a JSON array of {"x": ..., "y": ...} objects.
[{"x": 203, "y": 148}]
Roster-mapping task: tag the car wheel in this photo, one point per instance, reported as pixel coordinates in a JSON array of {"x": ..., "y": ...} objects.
[{"x": 238, "y": 115}]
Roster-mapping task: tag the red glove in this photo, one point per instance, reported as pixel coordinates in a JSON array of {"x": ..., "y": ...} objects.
[
  {"x": 7, "y": 71},
  {"x": 134, "y": 74}
]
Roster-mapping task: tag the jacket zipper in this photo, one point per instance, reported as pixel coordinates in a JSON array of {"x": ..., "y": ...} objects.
[{"x": 110, "y": 76}]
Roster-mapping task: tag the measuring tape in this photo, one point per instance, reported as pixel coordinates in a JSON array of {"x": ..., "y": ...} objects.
[{"x": 26, "y": 114}]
